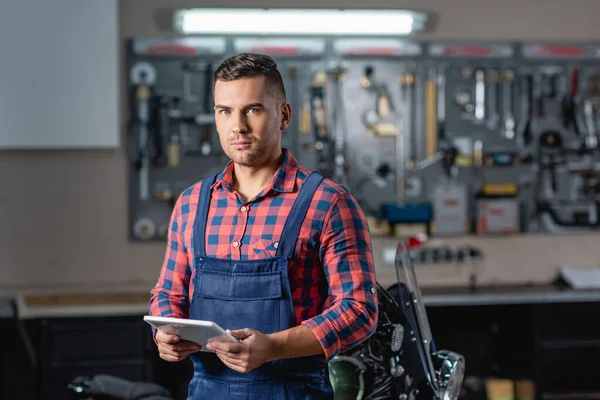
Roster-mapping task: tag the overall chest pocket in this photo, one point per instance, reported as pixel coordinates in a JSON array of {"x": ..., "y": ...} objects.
[{"x": 241, "y": 300}]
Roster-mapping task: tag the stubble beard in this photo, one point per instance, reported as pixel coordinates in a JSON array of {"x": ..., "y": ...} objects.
[
  {"x": 255, "y": 156},
  {"x": 258, "y": 153}
]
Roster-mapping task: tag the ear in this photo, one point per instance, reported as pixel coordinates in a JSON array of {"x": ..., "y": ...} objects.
[{"x": 286, "y": 116}]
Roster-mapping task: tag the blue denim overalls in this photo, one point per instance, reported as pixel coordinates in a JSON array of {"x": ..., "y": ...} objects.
[{"x": 252, "y": 294}]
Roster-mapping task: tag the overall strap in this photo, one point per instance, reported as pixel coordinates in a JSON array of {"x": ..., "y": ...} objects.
[
  {"x": 202, "y": 216},
  {"x": 297, "y": 214}
]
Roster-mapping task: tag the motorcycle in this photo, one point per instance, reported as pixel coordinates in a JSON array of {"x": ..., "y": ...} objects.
[
  {"x": 399, "y": 361},
  {"x": 108, "y": 387}
]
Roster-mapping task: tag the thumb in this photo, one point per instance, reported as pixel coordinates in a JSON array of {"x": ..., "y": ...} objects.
[{"x": 241, "y": 334}]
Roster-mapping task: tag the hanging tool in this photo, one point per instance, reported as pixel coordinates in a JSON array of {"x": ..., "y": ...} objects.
[
  {"x": 338, "y": 125},
  {"x": 418, "y": 131},
  {"x": 431, "y": 115},
  {"x": 160, "y": 125},
  {"x": 442, "y": 139},
  {"x": 144, "y": 228},
  {"x": 293, "y": 71},
  {"x": 508, "y": 106},
  {"x": 494, "y": 114},
  {"x": 591, "y": 138},
  {"x": 381, "y": 119},
  {"x": 551, "y": 153},
  {"x": 305, "y": 115},
  {"x": 463, "y": 96},
  {"x": 569, "y": 104},
  {"x": 207, "y": 105},
  {"x": 410, "y": 185},
  {"x": 318, "y": 102},
  {"x": 191, "y": 68},
  {"x": 525, "y": 136},
  {"x": 547, "y": 95},
  {"x": 143, "y": 76},
  {"x": 175, "y": 131},
  {"x": 407, "y": 95},
  {"x": 321, "y": 137},
  {"x": 592, "y": 85},
  {"x": 450, "y": 152},
  {"x": 477, "y": 174},
  {"x": 479, "y": 95}
]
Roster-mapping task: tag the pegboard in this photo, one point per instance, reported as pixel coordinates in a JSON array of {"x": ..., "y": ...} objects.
[{"x": 453, "y": 138}]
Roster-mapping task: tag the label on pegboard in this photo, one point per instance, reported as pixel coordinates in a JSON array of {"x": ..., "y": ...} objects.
[
  {"x": 188, "y": 46},
  {"x": 497, "y": 216},
  {"x": 280, "y": 47},
  {"x": 561, "y": 51},
  {"x": 470, "y": 50},
  {"x": 376, "y": 47}
]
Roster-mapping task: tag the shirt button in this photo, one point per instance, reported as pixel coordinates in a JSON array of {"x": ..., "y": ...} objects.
[
  {"x": 276, "y": 244},
  {"x": 373, "y": 290},
  {"x": 235, "y": 244},
  {"x": 243, "y": 209}
]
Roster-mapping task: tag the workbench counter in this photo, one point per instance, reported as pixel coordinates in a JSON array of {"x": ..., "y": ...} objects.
[
  {"x": 135, "y": 302},
  {"x": 498, "y": 295}
]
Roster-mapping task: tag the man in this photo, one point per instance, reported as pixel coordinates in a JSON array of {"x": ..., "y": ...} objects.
[{"x": 277, "y": 255}]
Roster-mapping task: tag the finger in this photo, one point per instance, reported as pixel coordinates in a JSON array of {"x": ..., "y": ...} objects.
[
  {"x": 231, "y": 364},
  {"x": 241, "y": 334},
  {"x": 175, "y": 355},
  {"x": 181, "y": 345},
  {"x": 171, "y": 358},
  {"x": 180, "y": 349},
  {"x": 169, "y": 355},
  {"x": 176, "y": 349},
  {"x": 168, "y": 351},
  {"x": 184, "y": 345},
  {"x": 226, "y": 347},
  {"x": 164, "y": 337}
]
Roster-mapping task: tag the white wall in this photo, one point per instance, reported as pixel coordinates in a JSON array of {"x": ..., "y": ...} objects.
[{"x": 58, "y": 74}]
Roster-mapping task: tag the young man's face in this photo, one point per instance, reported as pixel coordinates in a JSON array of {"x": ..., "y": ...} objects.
[{"x": 249, "y": 120}]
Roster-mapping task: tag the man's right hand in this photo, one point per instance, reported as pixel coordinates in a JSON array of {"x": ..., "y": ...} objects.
[{"x": 172, "y": 348}]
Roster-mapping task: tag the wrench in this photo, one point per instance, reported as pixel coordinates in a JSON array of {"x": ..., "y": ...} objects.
[
  {"x": 509, "y": 117},
  {"x": 479, "y": 95}
]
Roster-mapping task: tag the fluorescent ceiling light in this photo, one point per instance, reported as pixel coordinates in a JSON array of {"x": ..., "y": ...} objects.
[{"x": 299, "y": 22}]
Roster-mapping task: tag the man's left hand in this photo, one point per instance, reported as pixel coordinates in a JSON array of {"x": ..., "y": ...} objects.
[{"x": 254, "y": 349}]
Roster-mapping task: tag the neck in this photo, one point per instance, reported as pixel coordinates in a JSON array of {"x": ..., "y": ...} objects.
[{"x": 249, "y": 181}]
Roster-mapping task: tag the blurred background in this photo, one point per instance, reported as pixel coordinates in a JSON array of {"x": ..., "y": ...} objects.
[{"x": 469, "y": 127}]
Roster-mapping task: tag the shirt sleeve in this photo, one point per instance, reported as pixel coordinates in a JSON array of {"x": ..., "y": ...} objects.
[
  {"x": 170, "y": 296},
  {"x": 348, "y": 264}
]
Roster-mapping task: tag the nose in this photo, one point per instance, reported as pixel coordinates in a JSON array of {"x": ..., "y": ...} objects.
[{"x": 240, "y": 125}]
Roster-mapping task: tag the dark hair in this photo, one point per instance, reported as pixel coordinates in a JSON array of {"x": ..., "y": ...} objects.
[{"x": 248, "y": 65}]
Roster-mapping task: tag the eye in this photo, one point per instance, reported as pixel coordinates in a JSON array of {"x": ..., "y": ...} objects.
[
  {"x": 253, "y": 110},
  {"x": 223, "y": 112}
]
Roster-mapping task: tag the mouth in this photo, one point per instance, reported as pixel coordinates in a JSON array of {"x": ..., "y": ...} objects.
[{"x": 241, "y": 144}]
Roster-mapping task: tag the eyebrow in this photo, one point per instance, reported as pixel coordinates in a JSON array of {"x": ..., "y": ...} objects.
[{"x": 251, "y": 105}]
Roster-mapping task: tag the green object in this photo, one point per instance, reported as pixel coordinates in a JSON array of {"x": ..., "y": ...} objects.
[{"x": 347, "y": 378}]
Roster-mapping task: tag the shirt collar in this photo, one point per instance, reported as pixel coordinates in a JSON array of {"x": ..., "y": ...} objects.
[{"x": 283, "y": 181}]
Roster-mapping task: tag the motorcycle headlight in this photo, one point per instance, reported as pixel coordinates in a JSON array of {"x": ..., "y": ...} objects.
[{"x": 449, "y": 373}]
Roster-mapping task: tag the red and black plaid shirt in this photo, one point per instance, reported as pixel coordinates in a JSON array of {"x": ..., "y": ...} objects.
[{"x": 332, "y": 276}]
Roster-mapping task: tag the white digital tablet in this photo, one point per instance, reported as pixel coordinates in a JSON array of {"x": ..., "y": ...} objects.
[{"x": 193, "y": 330}]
